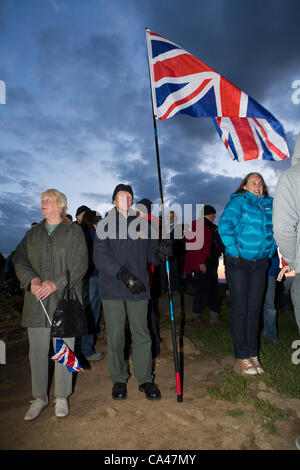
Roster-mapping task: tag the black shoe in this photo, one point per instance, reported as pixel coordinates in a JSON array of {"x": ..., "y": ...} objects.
[
  {"x": 151, "y": 391},
  {"x": 119, "y": 391}
]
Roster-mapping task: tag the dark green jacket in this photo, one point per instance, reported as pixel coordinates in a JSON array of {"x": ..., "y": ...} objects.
[{"x": 48, "y": 258}]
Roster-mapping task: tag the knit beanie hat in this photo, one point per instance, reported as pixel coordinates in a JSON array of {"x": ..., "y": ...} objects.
[
  {"x": 122, "y": 187},
  {"x": 82, "y": 209},
  {"x": 209, "y": 210},
  {"x": 146, "y": 203}
]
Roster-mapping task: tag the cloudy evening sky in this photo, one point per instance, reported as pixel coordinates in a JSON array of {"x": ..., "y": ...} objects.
[{"x": 78, "y": 111}]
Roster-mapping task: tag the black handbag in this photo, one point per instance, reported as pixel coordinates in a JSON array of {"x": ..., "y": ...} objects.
[{"x": 69, "y": 318}]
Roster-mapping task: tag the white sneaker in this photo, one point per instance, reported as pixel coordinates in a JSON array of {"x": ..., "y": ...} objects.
[
  {"x": 96, "y": 357},
  {"x": 35, "y": 409},
  {"x": 61, "y": 407},
  {"x": 298, "y": 442},
  {"x": 255, "y": 362},
  {"x": 246, "y": 366}
]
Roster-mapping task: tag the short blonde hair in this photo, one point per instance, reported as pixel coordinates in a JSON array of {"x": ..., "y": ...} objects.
[{"x": 60, "y": 199}]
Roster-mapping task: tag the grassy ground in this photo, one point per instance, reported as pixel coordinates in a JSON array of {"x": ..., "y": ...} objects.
[
  {"x": 280, "y": 372},
  {"x": 235, "y": 388},
  {"x": 215, "y": 340}
]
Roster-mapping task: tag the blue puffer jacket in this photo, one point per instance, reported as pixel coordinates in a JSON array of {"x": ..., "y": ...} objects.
[{"x": 246, "y": 227}]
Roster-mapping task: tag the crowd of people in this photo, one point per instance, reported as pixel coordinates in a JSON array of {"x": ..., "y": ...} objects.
[{"x": 123, "y": 274}]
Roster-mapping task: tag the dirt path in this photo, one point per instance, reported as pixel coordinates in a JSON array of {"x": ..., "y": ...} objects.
[{"x": 97, "y": 422}]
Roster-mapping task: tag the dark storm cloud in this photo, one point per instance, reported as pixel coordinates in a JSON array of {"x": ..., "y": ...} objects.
[
  {"x": 19, "y": 96},
  {"x": 240, "y": 52},
  {"x": 89, "y": 86},
  {"x": 17, "y": 165},
  {"x": 253, "y": 44},
  {"x": 94, "y": 91},
  {"x": 187, "y": 128},
  {"x": 202, "y": 188},
  {"x": 99, "y": 50},
  {"x": 15, "y": 214}
]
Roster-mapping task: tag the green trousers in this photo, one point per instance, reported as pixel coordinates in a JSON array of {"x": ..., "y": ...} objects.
[{"x": 115, "y": 312}]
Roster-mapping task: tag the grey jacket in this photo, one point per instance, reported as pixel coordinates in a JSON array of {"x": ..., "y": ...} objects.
[
  {"x": 286, "y": 212},
  {"x": 48, "y": 258}
]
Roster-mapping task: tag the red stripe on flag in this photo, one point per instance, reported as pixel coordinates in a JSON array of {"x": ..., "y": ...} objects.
[
  {"x": 71, "y": 359},
  {"x": 218, "y": 119},
  {"x": 179, "y": 66},
  {"x": 159, "y": 35},
  {"x": 230, "y": 98},
  {"x": 246, "y": 138},
  {"x": 271, "y": 146},
  {"x": 187, "y": 98}
]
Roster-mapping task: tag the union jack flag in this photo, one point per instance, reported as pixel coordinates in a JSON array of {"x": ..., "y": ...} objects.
[
  {"x": 181, "y": 83},
  {"x": 64, "y": 355}
]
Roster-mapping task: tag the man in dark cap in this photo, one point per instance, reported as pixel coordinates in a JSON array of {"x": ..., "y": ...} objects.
[
  {"x": 80, "y": 213},
  {"x": 122, "y": 187},
  {"x": 121, "y": 255}
]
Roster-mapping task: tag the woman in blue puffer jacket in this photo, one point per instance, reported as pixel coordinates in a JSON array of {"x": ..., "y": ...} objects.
[{"x": 246, "y": 230}]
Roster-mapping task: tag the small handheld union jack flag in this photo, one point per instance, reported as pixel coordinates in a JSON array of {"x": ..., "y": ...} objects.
[
  {"x": 181, "y": 83},
  {"x": 64, "y": 355}
]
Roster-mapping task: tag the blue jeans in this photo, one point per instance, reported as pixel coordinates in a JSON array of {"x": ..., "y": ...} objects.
[
  {"x": 270, "y": 328},
  {"x": 92, "y": 303},
  {"x": 246, "y": 282}
]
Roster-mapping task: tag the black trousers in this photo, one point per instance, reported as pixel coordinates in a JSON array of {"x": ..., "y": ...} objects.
[
  {"x": 207, "y": 291},
  {"x": 246, "y": 282}
]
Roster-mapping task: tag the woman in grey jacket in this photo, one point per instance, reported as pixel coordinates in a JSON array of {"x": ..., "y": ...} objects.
[{"x": 41, "y": 261}]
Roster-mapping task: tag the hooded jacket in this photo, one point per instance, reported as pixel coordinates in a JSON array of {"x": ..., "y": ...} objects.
[
  {"x": 49, "y": 257},
  {"x": 286, "y": 213},
  {"x": 245, "y": 227}
]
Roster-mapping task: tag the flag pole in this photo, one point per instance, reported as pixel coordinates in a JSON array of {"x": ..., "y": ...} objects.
[
  {"x": 171, "y": 307},
  {"x": 45, "y": 311}
]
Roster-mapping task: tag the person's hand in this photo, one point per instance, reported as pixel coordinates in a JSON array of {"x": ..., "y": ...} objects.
[
  {"x": 202, "y": 268},
  {"x": 47, "y": 288},
  {"x": 133, "y": 283},
  {"x": 35, "y": 285},
  {"x": 285, "y": 269},
  {"x": 164, "y": 249}
]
